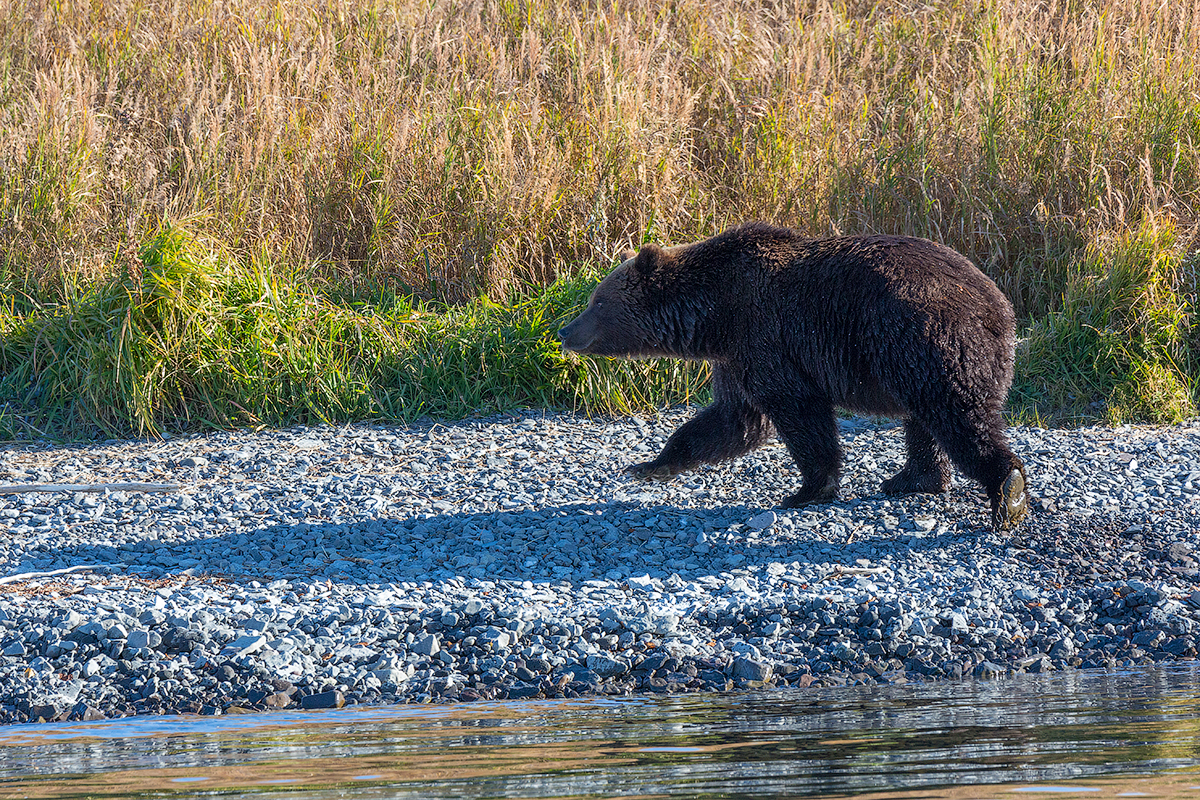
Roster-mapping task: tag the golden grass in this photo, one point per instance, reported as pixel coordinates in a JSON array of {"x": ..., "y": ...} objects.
[{"x": 467, "y": 147}]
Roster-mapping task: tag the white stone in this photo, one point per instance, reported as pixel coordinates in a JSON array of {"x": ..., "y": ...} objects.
[
  {"x": 763, "y": 521},
  {"x": 244, "y": 646}
]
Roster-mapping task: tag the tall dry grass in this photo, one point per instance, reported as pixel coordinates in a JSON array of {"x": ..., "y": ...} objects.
[{"x": 467, "y": 147}]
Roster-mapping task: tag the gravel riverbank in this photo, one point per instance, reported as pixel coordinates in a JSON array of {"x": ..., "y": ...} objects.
[{"x": 509, "y": 557}]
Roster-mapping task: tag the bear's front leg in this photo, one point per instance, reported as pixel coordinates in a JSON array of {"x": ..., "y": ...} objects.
[
  {"x": 726, "y": 429},
  {"x": 809, "y": 429}
]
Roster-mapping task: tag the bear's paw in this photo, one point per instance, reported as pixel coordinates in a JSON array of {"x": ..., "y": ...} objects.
[
  {"x": 651, "y": 471},
  {"x": 810, "y": 495},
  {"x": 1013, "y": 502}
]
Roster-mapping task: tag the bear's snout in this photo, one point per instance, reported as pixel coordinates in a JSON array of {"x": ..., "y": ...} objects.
[
  {"x": 572, "y": 338},
  {"x": 564, "y": 332}
]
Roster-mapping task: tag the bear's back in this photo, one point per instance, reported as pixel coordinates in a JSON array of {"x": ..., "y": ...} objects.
[{"x": 848, "y": 310}]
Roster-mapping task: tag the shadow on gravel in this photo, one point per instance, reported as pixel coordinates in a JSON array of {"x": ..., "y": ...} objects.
[{"x": 569, "y": 542}]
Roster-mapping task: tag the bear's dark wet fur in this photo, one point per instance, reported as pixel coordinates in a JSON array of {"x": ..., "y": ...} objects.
[{"x": 794, "y": 328}]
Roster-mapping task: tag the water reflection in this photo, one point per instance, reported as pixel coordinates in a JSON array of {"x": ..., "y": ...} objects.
[{"x": 1034, "y": 734}]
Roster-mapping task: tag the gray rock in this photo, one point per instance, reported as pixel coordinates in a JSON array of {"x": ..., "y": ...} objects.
[
  {"x": 918, "y": 628},
  {"x": 331, "y": 699},
  {"x": 426, "y": 645},
  {"x": 138, "y": 638},
  {"x": 150, "y": 617},
  {"x": 1149, "y": 638},
  {"x": 1040, "y": 664},
  {"x": 987, "y": 670},
  {"x": 843, "y": 651},
  {"x": 749, "y": 669},
  {"x": 495, "y": 638},
  {"x": 1063, "y": 648},
  {"x": 763, "y": 521},
  {"x": 244, "y": 646},
  {"x": 396, "y": 676},
  {"x": 606, "y": 666}
]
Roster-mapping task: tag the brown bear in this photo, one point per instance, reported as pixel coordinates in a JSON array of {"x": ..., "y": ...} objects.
[{"x": 794, "y": 328}]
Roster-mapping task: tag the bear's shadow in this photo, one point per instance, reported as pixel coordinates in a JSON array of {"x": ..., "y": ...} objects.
[{"x": 382, "y": 550}]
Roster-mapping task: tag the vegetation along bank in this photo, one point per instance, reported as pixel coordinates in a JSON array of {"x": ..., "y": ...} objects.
[{"x": 266, "y": 213}]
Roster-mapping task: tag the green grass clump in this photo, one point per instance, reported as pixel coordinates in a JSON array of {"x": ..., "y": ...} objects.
[
  {"x": 198, "y": 338},
  {"x": 1122, "y": 346},
  {"x": 486, "y": 357}
]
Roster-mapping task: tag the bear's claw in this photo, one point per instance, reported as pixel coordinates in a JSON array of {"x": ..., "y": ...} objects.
[
  {"x": 649, "y": 471},
  {"x": 800, "y": 500},
  {"x": 1013, "y": 502},
  {"x": 809, "y": 495},
  {"x": 907, "y": 482}
]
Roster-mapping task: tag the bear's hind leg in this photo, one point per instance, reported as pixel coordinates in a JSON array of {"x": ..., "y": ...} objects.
[
  {"x": 726, "y": 429},
  {"x": 927, "y": 469}
]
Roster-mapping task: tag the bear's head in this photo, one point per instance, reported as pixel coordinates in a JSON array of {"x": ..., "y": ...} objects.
[{"x": 619, "y": 321}]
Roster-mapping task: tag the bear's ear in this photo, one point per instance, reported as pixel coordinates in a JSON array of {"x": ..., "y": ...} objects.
[
  {"x": 648, "y": 259},
  {"x": 626, "y": 254}
]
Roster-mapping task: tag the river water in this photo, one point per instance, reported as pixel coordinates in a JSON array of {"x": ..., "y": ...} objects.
[{"x": 1094, "y": 734}]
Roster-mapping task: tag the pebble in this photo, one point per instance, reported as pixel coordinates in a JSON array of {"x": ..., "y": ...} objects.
[{"x": 510, "y": 557}]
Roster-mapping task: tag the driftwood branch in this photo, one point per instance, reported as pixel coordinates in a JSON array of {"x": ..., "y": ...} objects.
[
  {"x": 841, "y": 572},
  {"x": 22, "y": 488},
  {"x": 24, "y": 576}
]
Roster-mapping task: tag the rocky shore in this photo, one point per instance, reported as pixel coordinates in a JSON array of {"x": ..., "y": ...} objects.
[{"x": 510, "y": 557}]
